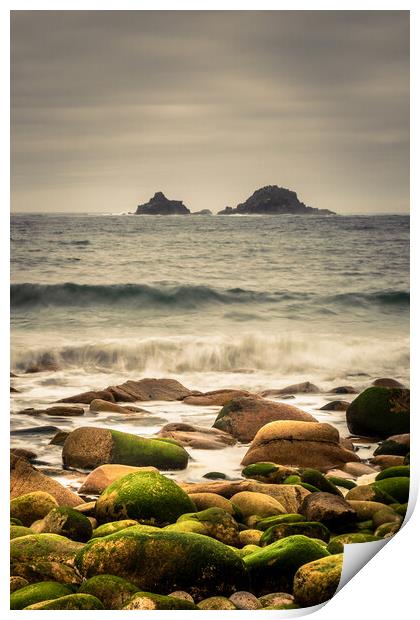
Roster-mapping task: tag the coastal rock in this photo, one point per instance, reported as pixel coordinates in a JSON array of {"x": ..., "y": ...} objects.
[
  {"x": 310, "y": 529},
  {"x": 250, "y": 537},
  {"x": 253, "y": 503},
  {"x": 16, "y": 583},
  {"x": 56, "y": 410},
  {"x": 131, "y": 391},
  {"x": 32, "y": 506},
  {"x": 296, "y": 443},
  {"x": 358, "y": 469},
  {"x": 37, "y": 592},
  {"x": 218, "y": 524},
  {"x": 113, "y": 592},
  {"x": 86, "y": 397},
  {"x": 211, "y": 500},
  {"x": 380, "y": 411},
  {"x": 215, "y": 398},
  {"x": 276, "y": 598},
  {"x": 147, "y": 601},
  {"x": 22, "y": 453},
  {"x": 397, "y": 445},
  {"x": 336, "y": 544},
  {"x": 202, "y": 212},
  {"x": 384, "y": 461},
  {"x": 44, "y": 557},
  {"x": 336, "y": 405},
  {"x": 66, "y": 522},
  {"x": 19, "y": 530},
  {"x": 331, "y": 510},
  {"x": 268, "y": 472},
  {"x": 112, "y": 527},
  {"x": 343, "y": 389},
  {"x": 104, "y": 475},
  {"x": 386, "y": 382},
  {"x": 160, "y": 205},
  {"x": 273, "y": 200},
  {"x": 245, "y": 600},
  {"x": 297, "y": 388},
  {"x": 242, "y": 417},
  {"x": 97, "y": 406},
  {"x": 316, "y": 582},
  {"x": 147, "y": 497},
  {"x": 88, "y": 447},
  {"x": 186, "y": 560},
  {"x": 71, "y": 601},
  {"x": 199, "y": 437}
]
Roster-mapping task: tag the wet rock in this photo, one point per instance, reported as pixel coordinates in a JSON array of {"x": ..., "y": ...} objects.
[
  {"x": 71, "y": 601},
  {"x": 150, "y": 389},
  {"x": 198, "y": 437},
  {"x": 181, "y": 594},
  {"x": 245, "y": 600},
  {"x": 88, "y": 447},
  {"x": 211, "y": 500},
  {"x": 216, "y": 603},
  {"x": 397, "y": 487},
  {"x": 253, "y": 503},
  {"x": 336, "y": 544},
  {"x": 365, "y": 509},
  {"x": 358, "y": 469},
  {"x": 243, "y": 417},
  {"x": 97, "y": 406},
  {"x": 22, "y": 453},
  {"x": 276, "y": 598},
  {"x": 216, "y": 475},
  {"x": 24, "y": 478},
  {"x": 335, "y": 405},
  {"x": 311, "y": 529},
  {"x": 394, "y": 472},
  {"x": 186, "y": 559},
  {"x": 268, "y": 472},
  {"x": 296, "y": 443},
  {"x": 113, "y": 592},
  {"x": 297, "y": 388},
  {"x": 386, "y": 382},
  {"x": 267, "y": 522},
  {"x": 316, "y": 582},
  {"x": 147, "y": 497},
  {"x": 343, "y": 389},
  {"x": 160, "y": 205},
  {"x": 37, "y": 592},
  {"x": 87, "y": 397},
  {"x": 59, "y": 438},
  {"x": 56, "y": 410},
  {"x": 331, "y": 510},
  {"x": 104, "y": 475},
  {"x": 380, "y": 411},
  {"x": 369, "y": 493},
  {"x": 66, "y": 522},
  {"x": 215, "y": 398},
  {"x": 218, "y": 524},
  {"x": 32, "y": 506}
]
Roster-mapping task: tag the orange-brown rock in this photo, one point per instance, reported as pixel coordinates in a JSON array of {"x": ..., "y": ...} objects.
[
  {"x": 198, "y": 437},
  {"x": 215, "y": 398},
  {"x": 104, "y": 475}
]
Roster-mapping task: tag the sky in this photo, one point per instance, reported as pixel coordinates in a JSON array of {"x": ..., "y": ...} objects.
[{"x": 108, "y": 107}]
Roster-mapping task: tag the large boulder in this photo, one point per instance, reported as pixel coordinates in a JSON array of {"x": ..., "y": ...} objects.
[
  {"x": 32, "y": 506},
  {"x": 198, "y": 437},
  {"x": 24, "y": 478},
  {"x": 147, "y": 601},
  {"x": 331, "y": 510},
  {"x": 242, "y": 417},
  {"x": 88, "y": 447},
  {"x": 164, "y": 561},
  {"x": 148, "y": 497},
  {"x": 112, "y": 591},
  {"x": 131, "y": 391},
  {"x": 69, "y": 602},
  {"x": 66, "y": 522},
  {"x": 296, "y": 443},
  {"x": 37, "y": 592},
  {"x": 218, "y": 524},
  {"x": 104, "y": 475},
  {"x": 251, "y": 503},
  {"x": 211, "y": 500},
  {"x": 215, "y": 398},
  {"x": 316, "y": 582},
  {"x": 380, "y": 412}
]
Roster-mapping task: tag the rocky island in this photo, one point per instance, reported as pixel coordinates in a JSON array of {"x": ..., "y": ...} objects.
[
  {"x": 273, "y": 200},
  {"x": 160, "y": 205}
]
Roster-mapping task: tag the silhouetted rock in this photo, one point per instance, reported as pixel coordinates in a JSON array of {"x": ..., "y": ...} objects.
[
  {"x": 273, "y": 200},
  {"x": 202, "y": 212},
  {"x": 160, "y": 205}
]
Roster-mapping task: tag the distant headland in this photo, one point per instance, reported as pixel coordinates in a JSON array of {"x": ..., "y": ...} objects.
[{"x": 268, "y": 200}]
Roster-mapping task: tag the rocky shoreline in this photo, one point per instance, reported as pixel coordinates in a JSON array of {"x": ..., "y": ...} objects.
[{"x": 134, "y": 536}]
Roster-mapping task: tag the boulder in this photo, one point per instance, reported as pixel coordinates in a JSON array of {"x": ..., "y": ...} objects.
[
  {"x": 104, "y": 475},
  {"x": 19, "y": 530},
  {"x": 211, "y": 500},
  {"x": 112, "y": 591},
  {"x": 394, "y": 472},
  {"x": 98, "y": 406},
  {"x": 215, "y": 398},
  {"x": 56, "y": 410},
  {"x": 333, "y": 511},
  {"x": 336, "y": 544},
  {"x": 163, "y": 561},
  {"x": 297, "y": 388},
  {"x": 268, "y": 472},
  {"x": 343, "y": 389},
  {"x": 148, "y": 601},
  {"x": 32, "y": 506},
  {"x": 316, "y": 582},
  {"x": 88, "y": 447},
  {"x": 160, "y": 205},
  {"x": 386, "y": 382},
  {"x": 336, "y": 405},
  {"x": 24, "y": 478},
  {"x": 296, "y": 443},
  {"x": 387, "y": 460},
  {"x": 66, "y": 522},
  {"x": 380, "y": 412},
  {"x": 365, "y": 509},
  {"x": 131, "y": 391},
  {"x": 22, "y": 453},
  {"x": 397, "y": 487},
  {"x": 276, "y": 598},
  {"x": 253, "y": 503},
  {"x": 37, "y": 592},
  {"x": 147, "y": 497},
  {"x": 71, "y": 601},
  {"x": 242, "y": 417},
  {"x": 274, "y": 566},
  {"x": 370, "y": 493},
  {"x": 216, "y": 603},
  {"x": 250, "y": 537},
  {"x": 16, "y": 583},
  {"x": 358, "y": 469},
  {"x": 198, "y": 437},
  {"x": 86, "y": 398},
  {"x": 113, "y": 526},
  {"x": 218, "y": 524},
  {"x": 245, "y": 600},
  {"x": 311, "y": 529}
]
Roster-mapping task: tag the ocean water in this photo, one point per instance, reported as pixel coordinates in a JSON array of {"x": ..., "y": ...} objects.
[{"x": 215, "y": 302}]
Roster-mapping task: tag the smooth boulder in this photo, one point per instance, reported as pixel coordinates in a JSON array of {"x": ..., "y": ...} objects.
[
  {"x": 104, "y": 475},
  {"x": 331, "y": 510},
  {"x": 198, "y": 437},
  {"x": 380, "y": 412},
  {"x": 317, "y": 581}
]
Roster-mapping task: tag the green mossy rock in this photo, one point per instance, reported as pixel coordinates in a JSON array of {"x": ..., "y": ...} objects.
[
  {"x": 319, "y": 481},
  {"x": 391, "y": 447},
  {"x": 19, "y": 530},
  {"x": 150, "y": 601},
  {"x": 402, "y": 471},
  {"x": 264, "y": 524},
  {"x": 14, "y": 521},
  {"x": 216, "y": 602},
  {"x": 164, "y": 561},
  {"x": 400, "y": 509},
  {"x": 259, "y": 469},
  {"x": 37, "y": 592},
  {"x": 246, "y": 550},
  {"x": 387, "y": 515},
  {"x": 113, "y": 592},
  {"x": 342, "y": 482},
  {"x": 215, "y": 475},
  {"x": 191, "y": 526},
  {"x": 72, "y": 601},
  {"x": 66, "y": 522},
  {"x": 219, "y": 524},
  {"x": 114, "y": 526},
  {"x": 387, "y": 529},
  {"x": 370, "y": 493},
  {"x": 336, "y": 544},
  {"x": 273, "y": 568},
  {"x": 316, "y": 582},
  {"x": 46, "y": 570},
  {"x": 292, "y": 479},
  {"x": 32, "y": 506},
  {"x": 45, "y": 547},
  {"x": 311, "y": 529},
  {"x": 147, "y": 497},
  {"x": 380, "y": 412},
  {"x": 399, "y": 488}
]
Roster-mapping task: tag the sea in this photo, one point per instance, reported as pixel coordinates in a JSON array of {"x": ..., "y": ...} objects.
[{"x": 252, "y": 302}]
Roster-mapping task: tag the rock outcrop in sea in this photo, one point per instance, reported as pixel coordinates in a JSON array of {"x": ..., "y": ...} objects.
[
  {"x": 273, "y": 200},
  {"x": 160, "y": 205}
]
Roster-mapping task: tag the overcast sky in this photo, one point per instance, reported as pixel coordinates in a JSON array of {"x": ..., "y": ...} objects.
[{"x": 109, "y": 107}]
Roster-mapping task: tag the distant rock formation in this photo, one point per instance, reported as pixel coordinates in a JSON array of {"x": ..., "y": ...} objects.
[
  {"x": 160, "y": 205},
  {"x": 202, "y": 212},
  {"x": 273, "y": 200}
]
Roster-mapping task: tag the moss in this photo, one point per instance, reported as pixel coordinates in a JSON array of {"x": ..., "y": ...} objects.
[
  {"x": 402, "y": 471},
  {"x": 371, "y": 493},
  {"x": 188, "y": 526},
  {"x": 66, "y": 522},
  {"x": 219, "y": 524},
  {"x": 32, "y": 506},
  {"x": 114, "y": 526},
  {"x": 316, "y": 582},
  {"x": 34, "y": 593},
  {"x": 398, "y": 488},
  {"x": 400, "y": 509},
  {"x": 273, "y": 567},
  {"x": 264, "y": 524},
  {"x": 336, "y": 544},
  {"x": 342, "y": 482},
  {"x": 38, "y": 570},
  {"x": 380, "y": 412},
  {"x": 386, "y": 515},
  {"x": 147, "y": 497},
  {"x": 391, "y": 447},
  {"x": 318, "y": 480},
  {"x": 215, "y": 475},
  {"x": 148, "y": 601},
  {"x": 164, "y": 561},
  {"x": 216, "y": 602},
  {"x": 19, "y": 530},
  {"x": 72, "y": 601},
  {"x": 312, "y": 529},
  {"x": 292, "y": 479},
  {"x": 112, "y": 591},
  {"x": 259, "y": 469},
  {"x": 130, "y": 449},
  {"x": 387, "y": 529}
]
